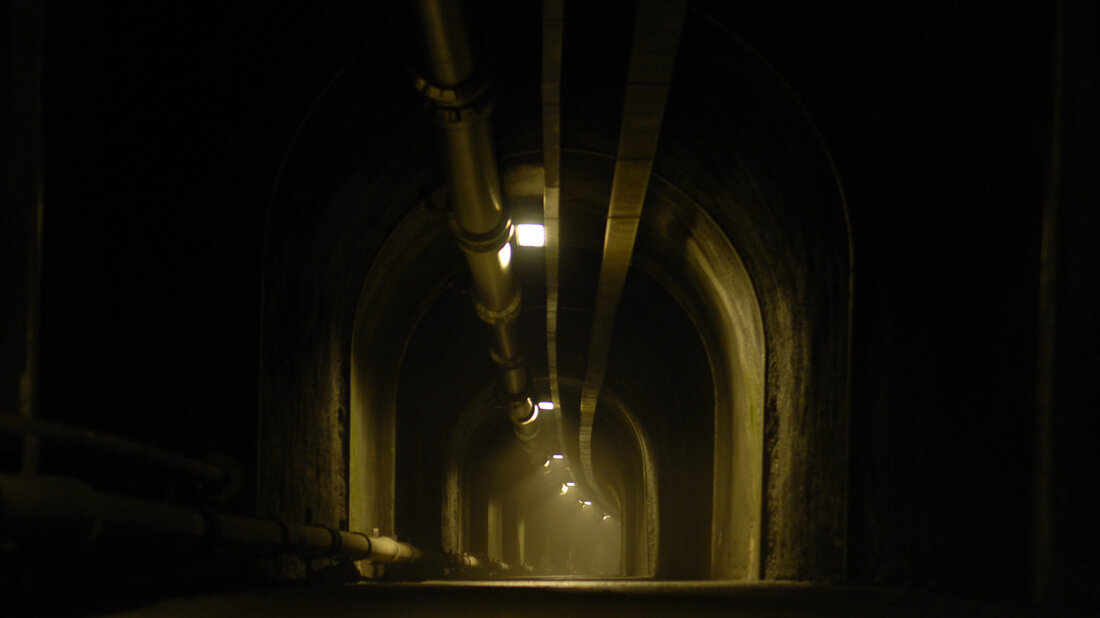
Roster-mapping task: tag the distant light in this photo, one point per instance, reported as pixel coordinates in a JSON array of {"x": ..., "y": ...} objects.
[
  {"x": 570, "y": 484},
  {"x": 505, "y": 255},
  {"x": 530, "y": 235},
  {"x": 606, "y": 517},
  {"x": 546, "y": 464},
  {"x": 558, "y": 456},
  {"x": 564, "y": 489},
  {"x": 546, "y": 405},
  {"x": 587, "y": 503}
]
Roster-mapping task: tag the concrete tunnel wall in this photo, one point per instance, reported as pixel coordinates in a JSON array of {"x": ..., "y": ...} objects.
[{"x": 752, "y": 169}]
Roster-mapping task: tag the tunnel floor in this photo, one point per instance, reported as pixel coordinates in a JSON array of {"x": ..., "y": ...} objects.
[{"x": 572, "y": 597}]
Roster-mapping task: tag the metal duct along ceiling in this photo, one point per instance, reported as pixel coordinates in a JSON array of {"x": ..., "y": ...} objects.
[
  {"x": 553, "y": 16},
  {"x": 459, "y": 94},
  {"x": 653, "y": 56}
]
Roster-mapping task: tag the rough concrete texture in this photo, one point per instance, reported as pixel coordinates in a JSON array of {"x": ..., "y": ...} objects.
[{"x": 769, "y": 184}]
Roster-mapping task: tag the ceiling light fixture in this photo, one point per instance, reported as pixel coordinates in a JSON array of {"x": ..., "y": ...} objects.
[{"x": 530, "y": 235}]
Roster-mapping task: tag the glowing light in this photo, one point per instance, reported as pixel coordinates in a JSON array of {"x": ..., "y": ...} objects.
[
  {"x": 558, "y": 456},
  {"x": 546, "y": 464},
  {"x": 570, "y": 484},
  {"x": 564, "y": 489},
  {"x": 530, "y": 235},
  {"x": 546, "y": 405},
  {"x": 606, "y": 517},
  {"x": 587, "y": 503},
  {"x": 505, "y": 255}
]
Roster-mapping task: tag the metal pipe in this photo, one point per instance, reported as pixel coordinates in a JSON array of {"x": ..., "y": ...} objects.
[
  {"x": 447, "y": 42},
  {"x": 61, "y": 514},
  {"x": 77, "y": 437},
  {"x": 458, "y": 93}
]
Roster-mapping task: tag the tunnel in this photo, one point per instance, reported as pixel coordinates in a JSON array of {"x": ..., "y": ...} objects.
[
  {"x": 646, "y": 307},
  {"x": 737, "y": 238}
]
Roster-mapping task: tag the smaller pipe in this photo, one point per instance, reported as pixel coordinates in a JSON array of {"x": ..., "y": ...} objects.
[
  {"x": 77, "y": 437},
  {"x": 64, "y": 516}
]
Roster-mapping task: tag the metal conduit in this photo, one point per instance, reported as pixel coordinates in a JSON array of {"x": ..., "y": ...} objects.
[
  {"x": 553, "y": 23},
  {"x": 462, "y": 106},
  {"x": 66, "y": 515},
  {"x": 652, "y": 58}
]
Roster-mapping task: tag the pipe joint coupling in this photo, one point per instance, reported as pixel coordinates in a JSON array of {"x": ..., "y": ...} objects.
[
  {"x": 513, "y": 362},
  {"x": 489, "y": 242},
  {"x": 500, "y": 316},
  {"x": 461, "y": 95},
  {"x": 528, "y": 434},
  {"x": 458, "y": 106},
  {"x": 522, "y": 411}
]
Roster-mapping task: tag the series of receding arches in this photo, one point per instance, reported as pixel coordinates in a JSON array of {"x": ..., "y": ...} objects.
[{"x": 724, "y": 422}]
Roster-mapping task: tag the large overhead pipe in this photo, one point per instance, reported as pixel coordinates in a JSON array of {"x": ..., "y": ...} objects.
[{"x": 457, "y": 89}]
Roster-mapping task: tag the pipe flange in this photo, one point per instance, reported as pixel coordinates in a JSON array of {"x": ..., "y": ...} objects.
[
  {"x": 455, "y": 107},
  {"x": 522, "y": 411},
  {"x": 365, "y": 555},
  {"x": 337, "y": 542},
  {"x": 499, "y": 316},
  {"x": 489, "y": 242},
  {"x": 513, "y": 362},
  {"x": 527, "y": 434},
  {"x": 450, "y": 118},
  {"x": 453, "y": 96}
]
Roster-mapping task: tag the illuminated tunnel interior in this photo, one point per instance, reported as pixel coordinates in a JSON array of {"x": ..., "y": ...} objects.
[
  {"x": 678, "y": 437},
  {"x": 638, "y": 307}
]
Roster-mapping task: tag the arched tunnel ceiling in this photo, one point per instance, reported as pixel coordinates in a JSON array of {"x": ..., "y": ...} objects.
[{"x": 751, "y": 167}]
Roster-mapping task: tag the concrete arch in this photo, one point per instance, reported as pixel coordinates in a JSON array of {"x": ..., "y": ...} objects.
[{"x": 744, "y": 212}]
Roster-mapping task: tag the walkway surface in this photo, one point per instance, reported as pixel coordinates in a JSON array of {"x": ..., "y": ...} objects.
[{"x": 559, "y": 598}]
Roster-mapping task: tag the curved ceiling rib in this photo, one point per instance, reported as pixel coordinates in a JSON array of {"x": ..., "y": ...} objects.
[{"x": 653, "y": 55}]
